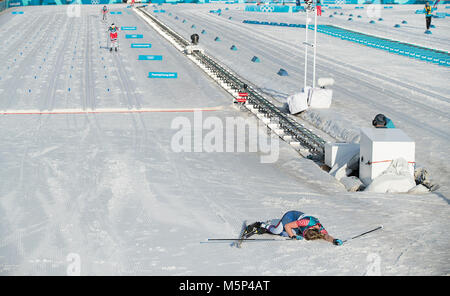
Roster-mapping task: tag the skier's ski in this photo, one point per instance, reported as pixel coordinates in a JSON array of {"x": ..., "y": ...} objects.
[
  {"x": 238, "y": 242},
  {"x": 249, "y": 230}
]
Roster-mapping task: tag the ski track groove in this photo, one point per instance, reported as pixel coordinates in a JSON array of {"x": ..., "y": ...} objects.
[
  {"x": 20, "y": 37},
  {"x": 11, "y": 92},
  {"x": 270, "y": 38},
  {"x": 100, "y": 39},
  {"x": 251, "y": 39},
  {"x": 394, "y": 82},
  {"x": 89, "y": 99},
  {"x": 50, "y": 96}
]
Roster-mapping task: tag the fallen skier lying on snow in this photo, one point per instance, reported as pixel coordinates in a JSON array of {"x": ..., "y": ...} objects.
[{"x": 295, "y": 225}]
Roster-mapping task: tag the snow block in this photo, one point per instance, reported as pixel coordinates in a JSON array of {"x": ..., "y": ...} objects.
[
  {"x": 282, "y": 72},
  {"x": 418, "y": 189},
  {"x": 141, "y": 45},
  {"x": 320, "y": 98},
  {"x": 396, "y": 26},
  {"x": 372, "y": 22},
  {"x": 297, "y": 102},
  {"x": 352, "y": 184},
  {"x": 339, "y": 152},
  {"x": 134, "y": 36},
  {"x": 203, "y": 32},
  {"x": 255, "y": 59},
  {"x": 150, "y": 58},
  {"x": 404, "y": 22},
  {"x": 331, "y": 15},
  {"x": 233, "y": 47},
  {"x": 162, "y": 75},
  {"x": 380, "y": 19},
  {"x": 432, "y": 26},
  {"x": 379, "y": 147},
  {"x": 217, "y": 39},
  {"x": 396, "y": 178},
  {"x": 349, "y": 19},
  {"x": 193, "y": 26}
]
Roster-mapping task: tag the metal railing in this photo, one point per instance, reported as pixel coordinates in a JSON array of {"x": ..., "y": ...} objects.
[{"x": 296, "y": 130}]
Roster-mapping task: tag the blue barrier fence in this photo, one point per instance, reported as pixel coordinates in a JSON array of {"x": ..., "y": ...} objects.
[{"x": 406, "y": 49}]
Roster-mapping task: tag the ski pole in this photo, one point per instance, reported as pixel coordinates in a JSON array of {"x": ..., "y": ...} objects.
[
  {"x": 246, "y": 239},
  {"x": 359, "y": 235}
]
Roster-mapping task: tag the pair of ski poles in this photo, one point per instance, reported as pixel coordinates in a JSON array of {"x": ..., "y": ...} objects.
[{"x": 277, "y": 239}]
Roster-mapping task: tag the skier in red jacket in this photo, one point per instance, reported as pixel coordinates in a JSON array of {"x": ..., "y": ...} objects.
[{"x": 113, "y": 36}]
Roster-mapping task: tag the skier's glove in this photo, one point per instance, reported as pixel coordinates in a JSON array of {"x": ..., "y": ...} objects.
[
  {"x": 297, "y": 237},
  {"x": 337, "y": 242}
]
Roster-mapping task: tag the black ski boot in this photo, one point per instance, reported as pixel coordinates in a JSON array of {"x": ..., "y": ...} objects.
[
  {"x": 110, "y": 49},
  {"x": 256, "y": 228},
  {"x": 116, "y": 48}
]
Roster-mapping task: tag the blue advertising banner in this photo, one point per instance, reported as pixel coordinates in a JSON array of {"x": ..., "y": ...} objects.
[
  {"x": 150, "y": 57},
  {"x": 141, "y": 45},
  {"x": 131, "y": 36},
  {"x": 162, "y": 75}
]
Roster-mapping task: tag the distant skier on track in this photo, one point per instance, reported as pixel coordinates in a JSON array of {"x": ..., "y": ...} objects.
[
  {"x": 295, "y": 225},
  {"x": 113, "y": 36},
  {"x": 104, "y": 12},
  {"x": 428, "y": 15}
]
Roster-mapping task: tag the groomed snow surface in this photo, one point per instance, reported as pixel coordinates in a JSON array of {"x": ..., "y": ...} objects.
[{"x": 105, "y": 193}]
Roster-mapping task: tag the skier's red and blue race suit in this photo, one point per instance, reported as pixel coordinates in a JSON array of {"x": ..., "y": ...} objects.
[{"x": 304, "y": 223}]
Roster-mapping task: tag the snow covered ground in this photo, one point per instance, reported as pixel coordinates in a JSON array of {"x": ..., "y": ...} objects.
[{"x": 108, "y": 191}]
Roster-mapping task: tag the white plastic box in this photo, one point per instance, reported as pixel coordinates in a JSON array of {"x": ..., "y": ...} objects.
[
  {"x": 378, "y": 147},
  {"x": 297, "y": 102},
  {"x": 320, "y": 98},
  {"x": 339, "y": 152}
]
